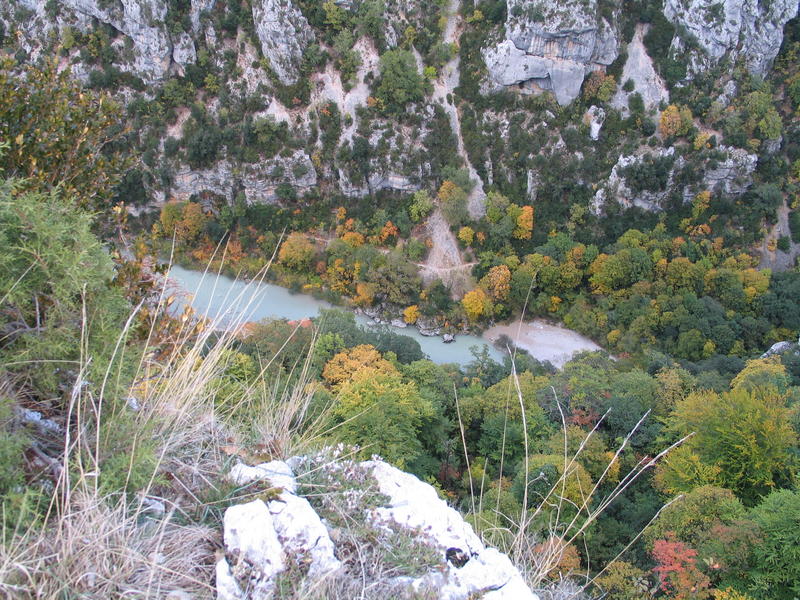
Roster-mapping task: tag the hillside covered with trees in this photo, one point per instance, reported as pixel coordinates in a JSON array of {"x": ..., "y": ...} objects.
[{"x": 447, "y": 165}]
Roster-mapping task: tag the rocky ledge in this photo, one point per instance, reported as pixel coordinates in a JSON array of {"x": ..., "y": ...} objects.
[{"x": 325, "y": 523}]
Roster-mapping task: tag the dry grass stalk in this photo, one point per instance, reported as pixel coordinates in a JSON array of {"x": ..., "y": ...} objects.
[{"x": 523, "y": 542}]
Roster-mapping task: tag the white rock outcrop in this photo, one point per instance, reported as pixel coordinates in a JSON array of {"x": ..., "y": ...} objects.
[
  {"x": 731, "y": 174},
  {"x": 594, "y": 118},
  {"x": 748, "y": 29},
  {"x": 734, "y": 174},
  {"x": 551, "y": 45},
  {"x": 639, "y": 69},
  {"x": 277, "y": 472},
  {"x": 143, "y": 22},
  {"x": 183, "y": 51},
  {"x": 782, "y": 348},
  {"x": 416, "y": 505},
  {"x": 258, "y": 181},
  {"x": 264, "y": 538},
  {"x": 284, "y": 34},
  {"x": 253, "y": 546}
]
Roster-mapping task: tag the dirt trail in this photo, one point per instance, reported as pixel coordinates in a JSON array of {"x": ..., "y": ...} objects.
[
  {"x": 448, "y": 80},
  {"x": 444, "y": 260}
]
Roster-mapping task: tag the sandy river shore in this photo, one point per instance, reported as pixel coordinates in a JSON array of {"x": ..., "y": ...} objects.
[{"x": 543, "y": 340}]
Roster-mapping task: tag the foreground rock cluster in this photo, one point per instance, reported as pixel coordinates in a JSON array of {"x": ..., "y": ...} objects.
[{"x": 285, "y": 540}]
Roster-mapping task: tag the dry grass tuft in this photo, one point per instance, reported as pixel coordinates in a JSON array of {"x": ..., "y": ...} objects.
[{"x": 100, "y": 549}]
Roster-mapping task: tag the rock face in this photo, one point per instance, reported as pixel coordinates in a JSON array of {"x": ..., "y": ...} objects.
[
  {"x": 618, "y": 188},
  {"x": 259, "y": 182},
  {"x": 284, "y": 34},
  {"x": 730, "y": 173},
  {"x": 639, "y": 69},
  {"x": 594, "y": 118},
  {"x": 264, "y": 539},
  {"x": 746, "y": 29},
  {"x": 551, "y": 45},
  {"x": 143, "y": 22},
  {"x": 782, "y": 348},
  {"x": 734, "y": 174}
]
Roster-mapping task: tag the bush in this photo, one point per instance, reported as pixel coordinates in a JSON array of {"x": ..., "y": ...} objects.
[
  {"x": 794, "y": 225},
  {"x": 399, "y": 82},
  {"x": 776, "y": 570},
  {"x": 202, "y": 147}
]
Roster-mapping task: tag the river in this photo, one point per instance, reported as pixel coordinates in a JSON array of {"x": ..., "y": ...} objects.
[{"x": 228, "y": 301}]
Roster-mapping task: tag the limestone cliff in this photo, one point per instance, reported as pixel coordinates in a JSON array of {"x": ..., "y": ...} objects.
[
  {"x": 284, "y": 34},
  {"x": 551, "y": 46},
  {"x": 738, "y": 29}
]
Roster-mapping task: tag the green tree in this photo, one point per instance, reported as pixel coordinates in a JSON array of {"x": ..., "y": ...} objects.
[
  {"x": 553, "y": 487},
  {"x": 296, "y": 252},
  {"x": 763, "y": 372},
  {"x": 691, "y": 518},
  {"x": 382, "y": 414},
  {"x": 776, "y": 559},
  {"x": 453, "y": 200},
  {"x": 399, "y": 82},
  {"x": 620, "y": 270},
  {"x": 745, "y": 434},
  {"x": 55, "y": 278},
  {"x": 421, "y": 206}
]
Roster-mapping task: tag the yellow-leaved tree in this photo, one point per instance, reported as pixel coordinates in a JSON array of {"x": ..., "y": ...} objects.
[
  {"x": 296, "y": 252},
  {"x": 743, "y": 441},
  {"x": 524, "y": 228},
  {"x": 476, "y": 304},
  {"x": 411, "y": 314},
  {"x": 345, "y": 365}
]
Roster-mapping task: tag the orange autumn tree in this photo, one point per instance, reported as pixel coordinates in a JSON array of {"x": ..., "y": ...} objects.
[
  {"x": 193, "y": 222},
  {"x": 353, "y": 239},
  {"x": 186, "y": 220},
  {"x": 676, "y": 568},
  {"x": 233, "y": 250},
  {"x": 389, "y": 230},
  {"x": 498, "y": 282},
  {"x": 675, "y": 121},
  {"x": 524, "y": 228},
  {"x": 365, "y": 294}
]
